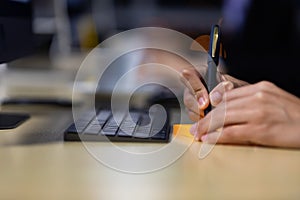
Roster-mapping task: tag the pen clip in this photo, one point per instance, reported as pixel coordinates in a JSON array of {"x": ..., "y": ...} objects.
[{"x": 214, "y": 46}]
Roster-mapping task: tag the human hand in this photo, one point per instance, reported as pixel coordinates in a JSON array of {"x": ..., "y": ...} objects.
[
  {"x": 261, "y": 114},
  {"x": 196, "y": 97}
]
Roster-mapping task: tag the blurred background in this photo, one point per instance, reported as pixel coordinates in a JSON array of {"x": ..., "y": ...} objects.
[
  {"x": 67, "y": 30},
  {"x": 85, "y": 23}
]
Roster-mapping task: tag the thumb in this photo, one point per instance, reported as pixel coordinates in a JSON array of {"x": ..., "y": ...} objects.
[{"x": 216, "y": 95}]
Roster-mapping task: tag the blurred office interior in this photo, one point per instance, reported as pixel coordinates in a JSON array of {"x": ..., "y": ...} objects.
[
  {"x": 85, "y": 23},
  {"x": 67, "y": 30}
]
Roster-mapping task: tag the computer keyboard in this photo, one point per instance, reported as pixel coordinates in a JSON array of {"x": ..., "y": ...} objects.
[{"x": 134, "y": 127}]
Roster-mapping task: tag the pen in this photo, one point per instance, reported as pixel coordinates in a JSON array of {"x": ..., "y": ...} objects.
[{"x": 212, "y": 61}]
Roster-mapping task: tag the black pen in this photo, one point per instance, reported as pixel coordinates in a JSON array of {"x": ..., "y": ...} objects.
[{"x": 212, "y": 61}]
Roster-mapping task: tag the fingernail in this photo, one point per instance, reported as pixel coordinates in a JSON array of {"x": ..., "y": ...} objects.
[
  {"x": 215, "y": 97},
  {"x": 201, "y": 101},
  {"x": 193, "y": 129},
  {"x": 228, "y": 86},
  {"x": 204, "y": 138}
]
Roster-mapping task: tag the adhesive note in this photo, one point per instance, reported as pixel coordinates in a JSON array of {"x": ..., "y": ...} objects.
[{"x": 183, "y": 130}]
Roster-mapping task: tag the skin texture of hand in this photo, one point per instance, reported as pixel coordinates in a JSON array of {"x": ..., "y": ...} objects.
[
  {"x": 261, "y": 114},
  {"x": 196, "y": 98}
]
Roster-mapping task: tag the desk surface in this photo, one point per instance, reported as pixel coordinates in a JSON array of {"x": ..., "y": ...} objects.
[
  {"x": 65, "y": 170},
  {"x": 36, "y": 164}
]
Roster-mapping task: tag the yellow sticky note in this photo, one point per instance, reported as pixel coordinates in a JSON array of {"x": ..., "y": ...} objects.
[{"x": 182, "y": 129}]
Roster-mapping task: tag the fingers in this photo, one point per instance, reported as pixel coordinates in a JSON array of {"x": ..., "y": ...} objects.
[
  {"x": 236, "y": 82},
  {"x": 238, "y": 111},
  {"x": 217, "y": 93},
  {"x": 194, "y": 116},
  {"x": 247, "y": 115},
  {"x": 263, "y": 87},
  {"x": 196, "y": 98},
  {"x": 196, "y": 87},
  {"x": 229, "y": 135},
  {"x": 247, "y": 109},
  {"x": 190, "y": 101},
  {"x": 192, "y": 105},
  {"x": 219, "y": 118}
]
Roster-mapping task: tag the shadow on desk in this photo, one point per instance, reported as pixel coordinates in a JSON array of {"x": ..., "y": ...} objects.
[{"x": 46, "y": 124}]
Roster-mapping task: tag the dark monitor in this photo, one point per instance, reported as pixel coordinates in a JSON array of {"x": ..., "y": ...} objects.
[
  {"x": 16, "y": 40},
  {"x": 16, "y": 35}
]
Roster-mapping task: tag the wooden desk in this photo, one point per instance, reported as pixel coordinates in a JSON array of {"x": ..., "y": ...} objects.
[
  {"x": 65, "y": 170},
  {"x": 36, "y": 164}
]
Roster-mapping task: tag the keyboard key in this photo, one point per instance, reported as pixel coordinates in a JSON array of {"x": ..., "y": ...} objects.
[
  {"x": 93, "y": 129},
  {"x": 109, "y": 132},
  {"x": 103, "y": 115},
  {"x": 135, "y": 126},
  {"x": 128, "y": 124},
  {"x": 126, "y": 133},
  {"x": 142, "y": 131},
  {"x": 72, "y": 129},
  {"x": 159, "y": 135},
  {"x": 110, "y": 128}
]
